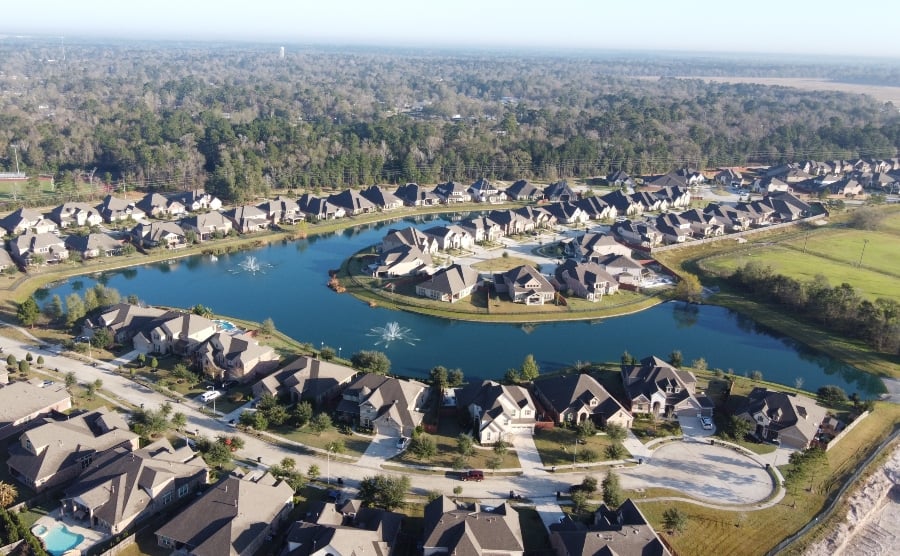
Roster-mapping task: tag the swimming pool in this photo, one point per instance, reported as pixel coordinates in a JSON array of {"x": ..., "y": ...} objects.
[
  {"x": 60, "y": 539},
  {"x": 225, "y": 325}
]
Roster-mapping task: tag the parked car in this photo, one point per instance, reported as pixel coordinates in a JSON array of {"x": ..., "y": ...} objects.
[
  {"x": 706, "y": 423},
  {"x": 402, "y": 443},
  {"x": 472, "y": 475}
]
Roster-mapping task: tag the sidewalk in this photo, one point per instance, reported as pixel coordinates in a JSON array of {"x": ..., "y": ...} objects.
[{"x": 636, "y": 448}]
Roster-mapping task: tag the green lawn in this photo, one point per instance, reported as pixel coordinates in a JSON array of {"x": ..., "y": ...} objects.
[
  {"x": 445, "y": 439},
  {"x": 501, "y": 263},
  {"x": 557, "y": 446},
  {"x": 806, "y": 266},
  {"x": 354, "y": 445},
  {"x": 845, "y": 244}
]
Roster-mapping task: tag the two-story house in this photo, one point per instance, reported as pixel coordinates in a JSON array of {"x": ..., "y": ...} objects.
[
  {"x": 390, "y": 406},
  {"x": 497, "y": 411},
  {"x": 524, "y": 284},
  {"x": 235, "y": 357}
]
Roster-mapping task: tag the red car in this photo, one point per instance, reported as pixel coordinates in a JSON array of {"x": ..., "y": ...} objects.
[{"x": 472, "y": 475}]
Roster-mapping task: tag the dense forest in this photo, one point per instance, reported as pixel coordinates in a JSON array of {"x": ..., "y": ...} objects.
[{"x": 240, "y": 120}]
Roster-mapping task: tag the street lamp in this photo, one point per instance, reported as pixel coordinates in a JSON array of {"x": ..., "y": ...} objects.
[
  {"x": 861, "y": 253},
  {"x": 328, "y": 465},
  {"x": 88, "y": 342}
]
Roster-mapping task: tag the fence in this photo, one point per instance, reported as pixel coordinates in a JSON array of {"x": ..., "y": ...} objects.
[
  {"x": 734, "y": 235},
  {"x": 847, "y": 429}
]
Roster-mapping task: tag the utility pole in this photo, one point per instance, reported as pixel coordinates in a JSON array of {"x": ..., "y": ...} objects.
[{"x": 863, "y": 252}]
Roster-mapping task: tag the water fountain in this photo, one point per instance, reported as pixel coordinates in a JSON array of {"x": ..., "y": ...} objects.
[
  {"x": 392, "y": 332},
  {"x": 250, "y": 264}
]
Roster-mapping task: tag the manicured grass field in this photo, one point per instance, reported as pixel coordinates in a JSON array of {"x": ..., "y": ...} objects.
[
  {"x": 806, "y": 266},
  {"x": 847, "y": 245}
]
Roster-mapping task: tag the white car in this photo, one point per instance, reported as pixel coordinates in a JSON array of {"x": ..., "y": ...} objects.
[{"x": 706, "y": 423}]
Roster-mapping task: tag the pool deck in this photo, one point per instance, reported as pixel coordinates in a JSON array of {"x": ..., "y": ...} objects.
[{"x": 91, "y": 536}]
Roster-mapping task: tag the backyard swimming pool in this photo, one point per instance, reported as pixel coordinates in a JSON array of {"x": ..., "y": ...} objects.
[
  {"x": 225, "y": 325},
  {"x": 59, "y": 539}
]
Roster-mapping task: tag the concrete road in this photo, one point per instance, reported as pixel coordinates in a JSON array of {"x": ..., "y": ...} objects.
[{"x": 702, "y": 471}]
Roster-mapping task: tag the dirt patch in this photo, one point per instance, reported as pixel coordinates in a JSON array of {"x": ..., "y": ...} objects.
[{"x": 872, "y": 524}]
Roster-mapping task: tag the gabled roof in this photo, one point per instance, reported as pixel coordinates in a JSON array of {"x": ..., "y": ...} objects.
[
  {"x": 482, "y": 186},
  {"x": 576, "y": 391},
  {"x": 101, "y": 242},
  {"x": 230, "y": 516},
  {"x": 309, "y": 377},
  {"x": 452, "y": 280},
  {"x": 654, "y": 375},
  {"x": 620, "y": 532},
  {"x": 351, "y": 201},
  {"x": 20, "y": 399},
  {"x": 670, "y": 179},
  {"x": 380, "y": 196},
  {"x": 560, "y": 191},
  {"x": 524, "y": 188},
  {"x": 589, "y": 274},
  {"x": 451, "y": 189},
  {"x": 21, "y": 219},
  {"x": 472, "y": 531},
  {"x": 208, "y": 220},
  {"x": 786, "y": 411},
  {"x": 413, "y": 193},
  {"x": 620, "y": 200},
  {"x": 523, "y": 277},
  {"x": 392, "y": 398}
]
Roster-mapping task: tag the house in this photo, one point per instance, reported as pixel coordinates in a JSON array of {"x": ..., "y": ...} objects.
[
  {"x": 30, "y": 248},
  {"x": 235, "y": 357},
  {"x": 729, "y": 177},
  {"x": 352, "y": 202},
  {"x": 21, "y": 220},
  {"x": 158, "y": 205},
  {"x": 511, "y": 222},
  {"x": 391, "y": 406},
  {"x": 122, "y": 487},
  {"x": 846, "y": 188},
  {"x": 248, "y": 219},
  {"x": 791, "y": 419},
  {"x": 592, "y": 246},
  {"x": 382, "y": 198},
  {"x": 657, "y": 388},
  {"x": 470, "y": 530},
  {"x": 94, "y": 245},
  {"x": 414, "y": 195},
  {"x": 673, "y": 227},
  {"x": 197, "y": 200},
  {"x": 450, "y": 237},
  {"x": 320, "y": 209},
  {"x": 690, "y": 176},
  {"x": 623, "y": 268},
  {"x": 643, "y": 234},
  {"x": 648, "y": 201},
  {"x": 345, "y": 529},
  {"x": 576, "y": 397},
  {"x": 620, "y": 179},
  {"x": 306, "y": 379},
  {"x": 58, "y": 450},
  {"x": 174, "y": 332},
  {"x": 586, "y": 280},
  {"x": 623, "y": 532},
  {"x": 452, "y": 192},
  {"x": 524, "y": 284},
  {"x": 567, "y": 213},
  {"x": 482, "y": 229},
  {"x": 124, "y": 321},
  {"x": 281, "y": 210},
  {"x": 679, "y": 178},
  {"x": 22, "y": 401},
  {"x": 497, "y": 411},
  {"x": 159, "y": 234},
  {"x": 675, "y": 196},
  {"x": 235, "y": 517},
  {"x": 406, "y": 260},
  {"x": 735, "y": 219},
  {"x": 113, "y": 209},
  {"x": 769, "y": 185},
  {"x": 541, "y": 218},
  {"x": 449, "y": 284},
  {"x": 786, "y": 207},
  {"x": 483, "y": 191},
  {"x": 560, "y": 192},
  {"x": 524, "y": 190},
  {"x": 208, "y": 225},
  {"x": 623, "y": 203},
  {"x": 68, "y": 215},
  {"x": 597, "y": 208},
  {"x": 408, "y": 237},
  {"x": 704, "y": 224}
]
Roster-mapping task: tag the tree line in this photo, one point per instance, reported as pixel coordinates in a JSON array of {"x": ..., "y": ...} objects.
[
  {"x": 241, "y": 122},
  {"x": 839, "y": 309}
]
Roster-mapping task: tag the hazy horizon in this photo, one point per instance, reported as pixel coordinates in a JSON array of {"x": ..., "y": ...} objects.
[{"x": 690, "y": 27}]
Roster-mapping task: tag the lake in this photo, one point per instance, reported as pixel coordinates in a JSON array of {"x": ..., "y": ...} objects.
[{"x": 290, "y": 288}]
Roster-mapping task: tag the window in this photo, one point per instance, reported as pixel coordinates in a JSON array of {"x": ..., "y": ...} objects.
[
  {"x": 183, "y": 490},
  {"x": 526, "y": 412},
  {"x": 166, "y": 541},
  {"x": 168, "y": 497}
]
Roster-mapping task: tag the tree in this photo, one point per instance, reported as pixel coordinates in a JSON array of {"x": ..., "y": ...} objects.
[
  {"x": 588, "y": 484},
  {"x": 530, "y": 370},
  {"x": 268, "y": 327},
  {"x": 215, "y": 453},
  {"x": 11, "y": 361},
  {"x": 276, "y": 415},
  {"x": 675, "y": 358},
  {"x": 512, "y": 376},
  {"x": 615, "y": 451},
  {"x": 40, "y": 361},
  {"x": 616, "y": 433},
  {"x": 198, "y": 309},
  {"x": 439, "y": 379},
  {"x": 154, "y": 363},
  {"x": 612, "y": 490},
  {"x": 579, "y": 501},
  {"x": 54, "y": 310},
  {"x": 179, "y": 420},
  {"x": 371, "y": 362},
  {"x": 756, "y": 376},
  {"x": 465, "y": 445},
  {"x": 628, "y": 359},
  {"x": 313, "y": 472},
  {"x": 8, "y": 494},
  {"x": 587, "y": 455},
  {"x": 320, "y": 423},
  {"x": 70, "y": 380},
  {"x": 585, "y": 429},
  {"x": 383, "y": 491},
  {"x": 90, "y": 390},
  {"x": 326, "y": 353},
  {"x": 688, "y": 289},
  {"x": 423, "y": 446},
  {"x": 24, "y": 367},
  {"x": 455, "y": 378},
  {"x": 142, "y": 359},
  {"x": 699, "y": 364},
  {"x": 831, "y": 394},
  {"x": 737, "y": 428},
  {"x": 501, "y": 447},
  {"x": 303, "y": 412},
  {"x": 674, "y": 520},
  {"x": 494, "y": 462},
  {"x": 28, "y": 312},
  {"x": 288, "y": 464},
  {"x": 102, "y": 338},
  {"x": 255, "y": 420}
]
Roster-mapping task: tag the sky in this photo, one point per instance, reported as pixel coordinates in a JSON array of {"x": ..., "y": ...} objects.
[{"x": 825, "y": 27}]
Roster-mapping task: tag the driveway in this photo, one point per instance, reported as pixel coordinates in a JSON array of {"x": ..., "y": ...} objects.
[
  {"x": 702, "y": 471},
  {"x": 529, "y": 458},
  {"x": 691, "y": 427},
  {"x": 380, "y": 449}
]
